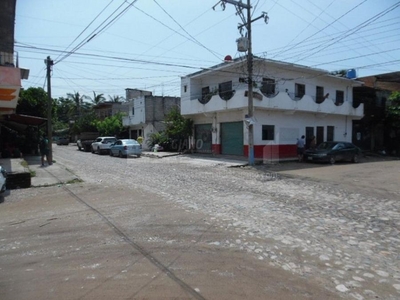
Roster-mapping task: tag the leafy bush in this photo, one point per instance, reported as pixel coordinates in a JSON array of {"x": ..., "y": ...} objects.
[{"x": 158, "y": 138}]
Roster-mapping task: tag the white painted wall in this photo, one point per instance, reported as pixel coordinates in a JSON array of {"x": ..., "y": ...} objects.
[
  {"x": 140, "y": 114},
  {"x": 290, "y": 127}
]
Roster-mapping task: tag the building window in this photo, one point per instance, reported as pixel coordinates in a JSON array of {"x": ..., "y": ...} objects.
[
  {"x": 133, "y": 110},
  {"x": 319, "y": 94},
  {"x": 268, "y": 132},
  {"x": 268, "y": 86},
  {"x": 185, "y": 88},
  {"x": 225, "y": 90},
  {"x": 300, "y": 90},
  {"x": 205, "y": 95},
  {"x": 339, "y": 97},
  {"x": 205, "y": 91},
  {"x": 330, "y": 133}
]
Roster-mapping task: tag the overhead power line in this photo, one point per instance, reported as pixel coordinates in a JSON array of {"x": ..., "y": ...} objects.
[
  {"x": 330, "y": 24},
  {"x": 350, "y": 32},
  {"x": 87, "y": 27},
  {"x": 191, "y": 36},
  {"x": 118, "y": 58},
  {"x": 94, "y": 33}
]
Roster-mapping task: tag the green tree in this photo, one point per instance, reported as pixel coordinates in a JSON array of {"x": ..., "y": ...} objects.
[
  {"x": 64, "y": 109},
  {"x": 110, "y": 126},
  {"x": 86, "y": 123},
  {"x": 33, "y": 102},
  {"x": 393, "y": 109}
]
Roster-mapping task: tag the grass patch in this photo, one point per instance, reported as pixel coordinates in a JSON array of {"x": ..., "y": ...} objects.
[
  {"x": 75, "y": 180},
  {"x": 24, "y": 163}
]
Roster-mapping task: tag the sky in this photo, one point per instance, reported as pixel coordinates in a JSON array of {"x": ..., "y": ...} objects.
[{"x": 105, "y": 46}]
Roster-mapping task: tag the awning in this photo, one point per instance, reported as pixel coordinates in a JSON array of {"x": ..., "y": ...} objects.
[{"x": 21, "y": 122}]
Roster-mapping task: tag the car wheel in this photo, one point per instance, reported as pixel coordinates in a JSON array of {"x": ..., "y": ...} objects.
[
  {"x": 111, "y": 154},
  {"x": 138, "y": 155},
  {"x": 79, "y": 148},
  {"x": 98, "y": 151},
  {"x": 120, "y": 154},
  {"x": 92, "y": 150},
  {"x": 332, "y": 160},
  {"x": 355, "y": 159}
]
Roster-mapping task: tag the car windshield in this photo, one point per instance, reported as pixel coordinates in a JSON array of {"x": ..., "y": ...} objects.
[{"x": 326, "y": 145}]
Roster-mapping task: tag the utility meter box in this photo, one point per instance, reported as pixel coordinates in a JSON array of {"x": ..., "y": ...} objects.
[{"x": 242, "y": 44}]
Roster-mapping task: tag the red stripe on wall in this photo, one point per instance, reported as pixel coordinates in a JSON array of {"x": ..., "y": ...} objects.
[
  {"x": 216, "y": 148},
  {"x": 272, "y": 151},
  {"x": 269, "y": 152}
]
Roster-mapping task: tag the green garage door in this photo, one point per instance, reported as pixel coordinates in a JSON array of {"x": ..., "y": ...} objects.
[
  {"x": 203, "y": 137},
  {"x": 232, "y": 138}
]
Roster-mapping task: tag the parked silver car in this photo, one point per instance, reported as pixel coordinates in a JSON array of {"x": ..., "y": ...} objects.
[
  {"x": 126, "y": 147},
  {"x": 3, "y": 180},
  {"x": 102, "y": 144},
  {"x": 63, "y": 141}
]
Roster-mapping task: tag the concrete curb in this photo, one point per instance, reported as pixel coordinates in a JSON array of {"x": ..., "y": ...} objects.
[{"x": 160, "y": 154}]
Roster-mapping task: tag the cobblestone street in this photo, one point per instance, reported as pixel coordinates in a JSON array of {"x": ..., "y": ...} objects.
[{"x": 343, "y": 236}]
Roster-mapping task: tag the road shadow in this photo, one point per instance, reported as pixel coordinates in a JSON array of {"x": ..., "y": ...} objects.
[{"x": 295, "y": 165}]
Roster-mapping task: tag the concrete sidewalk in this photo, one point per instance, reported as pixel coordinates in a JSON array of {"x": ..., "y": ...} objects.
[
  {"x": 48, "y": 175},
  {"x": 39, "y": 176}
]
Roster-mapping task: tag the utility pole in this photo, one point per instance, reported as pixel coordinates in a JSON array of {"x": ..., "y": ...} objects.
[
  {"x": 250, "y": 113},
  {"x": 247, "y": 24},
  {"x": 49, "y": 63}
]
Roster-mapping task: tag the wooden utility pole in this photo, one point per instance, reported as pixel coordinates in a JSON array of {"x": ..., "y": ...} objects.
[{"x": 49, "y": 63}]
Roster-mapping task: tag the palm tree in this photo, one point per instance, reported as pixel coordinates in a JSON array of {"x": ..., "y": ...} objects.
[
  {"x": 97, "y": 98},
  {"x": 78, "y": 104},
  {"x": 116, "y": 99}
]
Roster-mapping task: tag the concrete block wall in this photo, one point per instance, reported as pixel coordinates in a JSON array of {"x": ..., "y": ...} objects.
[{"x": 157, "y": 107}]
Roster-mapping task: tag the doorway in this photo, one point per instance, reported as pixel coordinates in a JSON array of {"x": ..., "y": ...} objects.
[{"x": 320, "y": 134}]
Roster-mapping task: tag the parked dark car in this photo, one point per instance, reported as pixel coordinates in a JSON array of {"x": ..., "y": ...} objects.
[{"x": 332, "y": 152}]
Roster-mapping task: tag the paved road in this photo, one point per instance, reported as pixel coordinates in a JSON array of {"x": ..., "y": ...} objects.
[{"x": 179, "y": 228}]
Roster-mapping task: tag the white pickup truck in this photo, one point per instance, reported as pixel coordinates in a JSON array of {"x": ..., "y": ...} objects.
[
  {"x": 85, "y": 140},
  {"x": 102, "y": 144}
]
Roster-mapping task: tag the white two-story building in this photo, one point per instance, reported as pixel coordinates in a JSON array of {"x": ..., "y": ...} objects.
[{"x": 289, "y": 101}]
